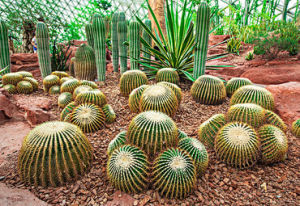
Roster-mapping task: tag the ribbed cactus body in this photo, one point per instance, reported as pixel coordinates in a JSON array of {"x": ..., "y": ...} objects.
[
  {"x": 118, "y": 141},
  {"x": 11, "y": 78},
  {"x": 89, "y": 35},
  {"x": 54, "y": 89},
  {"x": 176, "y": 89},
  {"x": 99, "y": 46},
  {"x": 43, "y": 50},
  {"x": 60, "y": 74},
  {"x": 69, "y": 86},
  {"x": 296, "y": 128},
  {"x": 115, "y": 41},
  {"x": 135, "y": 97},
  {"x": 84, "y": 63},
  {"x": 110, "y": 115},
  {"x": 201, "y": 39},
  {"x": 130, "y": 80},
  {"x": 11, "y": 89},
  {"x": 273, "y": 119},
  {"x": 4, "y": 47},
  {"x": 167, "y": 75},
  {"x": 25, "y": 74},
  {"x": 134, "y": 44},
  {"x": 64, "y": 99},
  {"x": 24, "y": 87},
  {"x": 81, "y": 88},
  {"x": 34, "y": 82},
  {"x": 147, "y": 38},
  {"x": 122, "y": 37},
  {"x": 89, "y": 83},
  {"x": 181, "y": 134},
  {"x": 94, "y": 97},
  {"x": 67, "y": 110},
  {"x": 235, "y": 83},
  {"x": 50, "y": 81}
]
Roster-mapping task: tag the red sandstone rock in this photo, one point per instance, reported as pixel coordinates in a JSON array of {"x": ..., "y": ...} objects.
[
  {"x": 25, "y": 67},
  {"x": 24, "y": 57},
  {"x": 287, "y": 100},
  {"x": 7, "y": 108},
  {"x": 109, "y": 68},
  {"x": 36, "y": 116},
  {"x": 33, "y": 102},
  {"x": 215, "y": 39}
]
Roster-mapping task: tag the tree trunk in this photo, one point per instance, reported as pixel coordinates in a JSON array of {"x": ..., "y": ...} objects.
[
  {"x": 158, "y": 9},
  {"x": 28, "y": 34}
]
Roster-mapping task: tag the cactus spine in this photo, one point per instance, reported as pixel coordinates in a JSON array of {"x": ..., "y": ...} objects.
[
  {"x": 122, "y": 34},
  {"x": 134, "y": 44},
  {"x": 147, "y": 38},
  {"x": 4, "y": 47},
  {"x": 99, "y": 46},
  {"x": 43, "y": 50},
  {"x": 115, "y": 42},
  {"x": 89, "y": 35},
  {"x": 201, "y": 39}
]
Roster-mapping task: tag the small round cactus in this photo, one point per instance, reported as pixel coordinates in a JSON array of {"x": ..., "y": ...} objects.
[
  {"x": 181, "y": 134},
  {"x": 238, "y": 145},
  {"x": 110, "y": 115},
  {"x": 89, "y": 117},
  {"x": 167, "y": 75},
  {"x": 208, "y": 130},
  {"x": 296, "y": 128},
  {"x": 253, "y": 94},
  {"x": 273, "y": 119},
  {"x": 50, "y": 81},
  {"x": 118, "y": 141},
  {"x": 159, "y": 98},
  {"x": 24, "y": 87},
  {"x": 252, "y": 114},
  {"x": 11, "y": 89},
  {"x": 130, "y": 80},
  {"x": 54, "y": 153},
  {"x": 235, "y": 83},
  {"x": 55, "y": 89},
  {"x": 197, "y": 151},
  {"x": 274, "y": 144},
  {"x": 11, "y": 78},
  {"x": 94, "y": 97},
  {"x": 64, "y": 99},
  {"x": 25, "y": 74},
  {"x": 127, "y": 169},
  {"x": 69, "y": 86},
  {"x": 82, "y": 88},
  {"x": 176, "y": 89},
  {"x": 152, "y": 131},
  {"x": 60, "y": 74},
  {"x": 135, "y": 97},
  {"x": 67, "y": 110},
  {"x": 64, "y": 79},
  {"x": 34, "y": 82},
  {"x": 89, "y": 83},
  {"x": 174, "y": 174},
  {"x": 208, "y": 89}
]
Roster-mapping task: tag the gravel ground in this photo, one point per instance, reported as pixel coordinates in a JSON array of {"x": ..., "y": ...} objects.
[{"x": 276, "y": 184}]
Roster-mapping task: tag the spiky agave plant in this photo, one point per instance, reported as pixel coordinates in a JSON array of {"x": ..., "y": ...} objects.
[
  {"x": 64, "y": 99},
  {"x": 238, "y": 145},
  {"x": 167, "y": 75},
  {"x": 70, "y": 85},
  {"x": 197, "y": 152},
  {"x": 67, "y": 110},
  {"x": 174, "y": 174},
  {"x": 235, "y": 83},
  {"x": 135, "y": 97},
  {"x": 159, "y": 98},
  {"x": 81, "y": 88},
  {"x": 50, "y": 81},
  {"x": 176, "y": 89},
  {"x": 152, "y": 131},
  {"x": 33, "y": 81},
  {"x": 274, "y": 144},
  {"x": 94, "y": 97},
  {"x": 89, "y": 83},
  {"x": 110, "y": 115},
  {"x": 11, "y": 78},
  {"x": 130, "y": 80},
  {"x": 11, "y": 89},
  {"x": 54, "y": 153},
  {"x": 208, "y": 89},
  {"x": 274, "y": 119},
  {"x": 127, "y": 169},
  {"x": 55, "y": 89},
  {"x": 208, "y": 130},
  {"x": 24, "y": 87},
  {"x": 253, "y": 94},
  {"x": 118, "y": 141}
]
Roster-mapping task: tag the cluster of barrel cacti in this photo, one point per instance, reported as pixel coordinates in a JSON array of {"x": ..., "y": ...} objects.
[
  {"x": 154, "y": 145},
  {"x": 19, "y": 82},
  {"x": 54, "y": 82}
]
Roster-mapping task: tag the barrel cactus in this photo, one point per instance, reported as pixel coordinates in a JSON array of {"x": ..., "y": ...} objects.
[
  {"x": 134, "y": 44},
  {"x": 64, "y": 99},
  {"x": 115, "y": 41},
  {"x": 181, "y": 134},
  {"x": 89, "y": 117},
  {"x": 24, "y": 87},
  {"x": 238, "y": 145},
  {"x": 176, "y": 89},
  {"x": 54, "y": 89},
  {"x": 11, "y": 78},
  {"x": 197, "y": 152},
  {"x": 64, "y": 79},
  {"x": 130, "y": 80},
  {"x": 274, "y": 144},
  {"x": 253, "y": 94},
  {"x": 167, "y": 75},
  {"x": 69, "y": 86},
  {"x": 208, "y": 89},
  {"x": 122, "y": 38},
  {"x": 81, "y": 88},
  {"x": 89, "y": 34},
  {"x": 25, "y": 74},
  {"x": 248, "y": 113},
  {"x": 54, "y": 153},
  {"x": 50, "y": 81},
  {"x": 110, "y": 115},
  {"x": 208, "y": 130},
  {"x": 152, "y": 131},
  {"x": 135, "y": 97},
  {"x": 10, "y": 88},
  {"x": 274, "y": 119},
  {"x": 67, "y": 110},
  {"x": 296, "y": 128},
  {"x": 34, "y": 82},
  {"x": 235, "y": 83},
  {"x": 118, "y": 141},
  {"x": 4, "y": 49},
  {"x": 60, "y": 74},
  {"x": 89, "y": 83},
  {"x": 174, "y": 174},
  {"x": 94, "y": 97},
  {"x": 159, "y": 98}
]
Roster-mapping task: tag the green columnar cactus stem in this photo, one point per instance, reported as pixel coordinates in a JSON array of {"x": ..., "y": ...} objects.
[
  {"x": 147, "y": 38},
  {"x": 43, "y": 50},
  {"x": 122, "y": 34},
  {"x": 99, "y": 46},
  {"x": 4, "y": 47},
  {"x": 134, "y": 44},
  {"x": 115, "y": 42},
  {"x": 84, "y": 63},
  {"x": 89, "y": 35},
  {"x": 201, "y": 39}
]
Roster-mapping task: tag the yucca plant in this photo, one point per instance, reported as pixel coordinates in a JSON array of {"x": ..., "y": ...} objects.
[
  {"x": 64, "y": 99},
  {"x": 118, "y": 141},
  {"x": 135, "y": 97}
]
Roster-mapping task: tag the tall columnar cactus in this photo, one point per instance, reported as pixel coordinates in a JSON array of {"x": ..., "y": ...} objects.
[
  {"x": 99, "y": 46},
  {"x": 147, "y": 38},
  {"x": 43, "y": 50},
  {"x": 122, "y": 35},
  {"x": 84, "y": 63},
  {"x": 201, "y": 39},
  {"x": 89, "y": 35},
  {"x": 134, "y": 44},
  {"x": 4, "y": 47},
  {"x": 115, "y": 42}
]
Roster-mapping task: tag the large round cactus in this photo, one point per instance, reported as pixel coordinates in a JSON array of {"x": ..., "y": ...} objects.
[
  {"x": 237, "y": 144},
  {"x": 296, "y": 128},
  {"x": 54, "y": 153},
  {"x": 60, "y": 74},
  {"x": 69, "y": 86},
  {"x": 176, "y": 89},
  {"x": 127, "y": 169},
  {"x": 11, "y": 89},
  {"x": 235, "y": 83},
  {"x": 11, "y": 78},
  {"x": 248, "y": 113},
  {"x": 253, "y": 94},
  {"x": 152, "y": 131},
  {"x": 130, "y": 80},
  {"x": 135, "y": 97},
  {"x": 50, "y": 81},
  {"x": 64, "y": 99},
  {"x": 274, "y": 144},
  {"x": 118, "y": 141},
  {"x": 55, "y": 89},
  {"x": 167, "y": 75},
  {"x": 181, "y": 134},
  {"x": 25, "y": 74},
  {"x": 174, "y": 174},
  {"x": 94, "y": 97},
  {"x": 67, "y": 110},
  {"x": 64, "y": 79},
  {"x": 208, "y": 89},
  {"x": 24, "y": 87},
  {"x": 197, "y": 152},
  {"x": 79, "y": 89},
  {"x": 208, "y": 130},
  {"x": 89, "y": 83},
  {"x": 110, "y": 115},
  {"x": 34, "y": 82},
  {"x": 159, "y": 98},
  {"x": 274, "y": 119}
]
